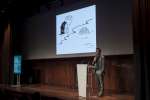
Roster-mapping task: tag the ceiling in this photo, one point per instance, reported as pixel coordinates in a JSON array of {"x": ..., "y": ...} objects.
[
  {"x": 10, "y": 10},
  {"x": 19, "y": 7}
]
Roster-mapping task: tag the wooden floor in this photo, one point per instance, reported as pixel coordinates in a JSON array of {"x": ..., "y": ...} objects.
[
  {"x": 71, "y": 94},
  {"x": 112, "y": 97},
  {"x": 64, "y": 94}
]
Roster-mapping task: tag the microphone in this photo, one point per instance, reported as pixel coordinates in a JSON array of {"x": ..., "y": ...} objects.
[{"x": 89, "y": 61}]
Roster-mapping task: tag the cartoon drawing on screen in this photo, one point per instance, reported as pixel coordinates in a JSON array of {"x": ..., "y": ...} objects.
[
  {"x": 84, "y": 30},
  {"x": 63, "y": 28},
  {"x": 65, "y": 25},
  {"x": 78, "y": 30}
]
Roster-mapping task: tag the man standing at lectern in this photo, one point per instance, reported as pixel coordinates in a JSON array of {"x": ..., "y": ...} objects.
[{"x": 98, "y": 66}]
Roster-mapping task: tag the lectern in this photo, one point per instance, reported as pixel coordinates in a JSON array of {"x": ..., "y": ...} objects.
[{"x": 82, "y": 79}]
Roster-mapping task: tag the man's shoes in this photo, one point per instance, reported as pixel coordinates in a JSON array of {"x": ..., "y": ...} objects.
[{"x": 99, "y": 93}]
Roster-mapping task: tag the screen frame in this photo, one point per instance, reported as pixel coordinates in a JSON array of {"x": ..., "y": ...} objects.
[{"x": 64, "y": 10}]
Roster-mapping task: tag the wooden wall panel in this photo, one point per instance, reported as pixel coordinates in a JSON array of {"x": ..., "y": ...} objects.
[{"x": 119, "y": 72}]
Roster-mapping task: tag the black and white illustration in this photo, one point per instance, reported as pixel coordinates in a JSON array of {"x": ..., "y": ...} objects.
[{"x": 76, "y": 31}]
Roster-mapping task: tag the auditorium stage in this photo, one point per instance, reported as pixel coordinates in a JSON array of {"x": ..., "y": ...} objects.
[{"x": 59, "y": 93}]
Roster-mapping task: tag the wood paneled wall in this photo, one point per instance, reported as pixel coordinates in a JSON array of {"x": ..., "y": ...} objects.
[{"x": 119, "y": 72}]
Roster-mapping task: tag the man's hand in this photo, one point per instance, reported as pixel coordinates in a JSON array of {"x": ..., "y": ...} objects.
[{"x": 90, "y": 66}]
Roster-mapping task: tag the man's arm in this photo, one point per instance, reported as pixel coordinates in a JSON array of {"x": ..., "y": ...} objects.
[
  {"x": 94, "y": 60},
  {"x": 92, "y": 64},
  {"x": 103, "y": 64}
]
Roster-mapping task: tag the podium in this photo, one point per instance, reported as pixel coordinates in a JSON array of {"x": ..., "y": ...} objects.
[{"x": 82, "y": 79}]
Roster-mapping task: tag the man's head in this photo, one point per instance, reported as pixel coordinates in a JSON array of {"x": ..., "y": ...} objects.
[{"x": 98, "y": 51}]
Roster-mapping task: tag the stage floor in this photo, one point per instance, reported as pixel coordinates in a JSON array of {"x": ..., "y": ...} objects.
[
  {"x": 112, "y": 97},
  {"x": 64, "y": 93},
  {"x": 72, "y": 94}
]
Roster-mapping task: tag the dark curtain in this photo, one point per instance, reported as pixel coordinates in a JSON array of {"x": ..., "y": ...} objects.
[
  {"x": 141, "y": 28},
  {"x": 2, "y": 26},
  {"x": 1, "y": 39},
  {"x": 6, "y": 55}
]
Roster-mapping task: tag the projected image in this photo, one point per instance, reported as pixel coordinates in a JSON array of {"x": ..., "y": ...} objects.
[
  {"x": 17, "y": 64},
  {"x": 76, "y": 31}
]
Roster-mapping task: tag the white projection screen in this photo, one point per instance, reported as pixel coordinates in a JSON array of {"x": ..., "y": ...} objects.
[{"x": 76, "y": 31}]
